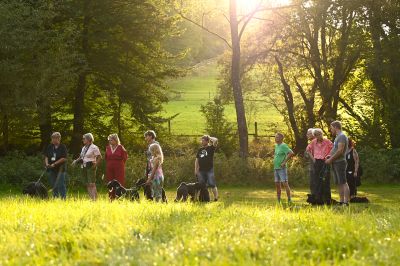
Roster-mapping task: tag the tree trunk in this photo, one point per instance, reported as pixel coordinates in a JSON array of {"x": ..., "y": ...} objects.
[
  {"x": 236, "y": 86},
  {"x": 45, "y": 123},
  {"x": 79, "y": 98}
]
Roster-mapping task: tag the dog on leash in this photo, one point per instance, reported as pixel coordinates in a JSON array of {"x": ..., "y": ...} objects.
[
  {"x": 141, "y": 183},
  {"x": 36, "y": 190},
  {"x": 121, "y": 191},
  {"x": 194, "y": 190}
]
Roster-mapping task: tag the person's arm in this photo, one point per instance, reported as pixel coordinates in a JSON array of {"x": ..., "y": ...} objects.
[
  {"x": 289, "y": 155},
  {"x": 337, "y": 154},
  {"x": 153, "y": 170},
  {"x": 124, "y": 154},
  {"x": 196, "y": 167},
  {"x": 46, "y": 161},
  {"x": 214, "y": 141},
  {"x": 59, "y": 161},
  {"x": 98, "y": 157},
  {"x": 356, "y": 162}
]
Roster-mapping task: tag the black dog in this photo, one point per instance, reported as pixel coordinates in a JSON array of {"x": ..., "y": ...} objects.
[
  {"x": 36, "y": 189},
  {"x": 204, "y": 194},
  {"x": 120, "y": 191},
  {"x": 318, "y": 201},
  {"x": 359, "y": 200},
  {"x": 192, "y": 189},
  {"x": 141, "y": 183},
  {"x": 187, "y": 189}
]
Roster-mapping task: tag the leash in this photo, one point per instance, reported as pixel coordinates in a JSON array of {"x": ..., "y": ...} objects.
[{"x": 40, "y": 178}]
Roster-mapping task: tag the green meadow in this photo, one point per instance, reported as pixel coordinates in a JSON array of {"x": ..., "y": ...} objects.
[
  {"x": 200, "y": 86},
  {"x": 246, "y": 227}
]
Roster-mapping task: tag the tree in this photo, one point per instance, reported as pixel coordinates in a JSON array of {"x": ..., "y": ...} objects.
[{"x": 237, "y": 27}]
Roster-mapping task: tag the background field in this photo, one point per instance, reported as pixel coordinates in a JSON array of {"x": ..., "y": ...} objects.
[
  {"x": 199, "y": 87},
  {"x": 245, "y": 228}
]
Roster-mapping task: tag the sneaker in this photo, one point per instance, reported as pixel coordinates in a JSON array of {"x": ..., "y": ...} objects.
[{"x": 216, "y": 199}]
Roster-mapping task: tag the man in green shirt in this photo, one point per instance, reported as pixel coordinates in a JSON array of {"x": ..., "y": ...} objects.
[{"x": 282, "y": 154}]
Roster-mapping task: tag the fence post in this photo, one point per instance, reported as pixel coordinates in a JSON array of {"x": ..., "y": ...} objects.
[{"x": 255, "y": 130}]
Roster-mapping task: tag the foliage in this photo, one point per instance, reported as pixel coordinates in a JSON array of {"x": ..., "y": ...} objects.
[{"x": 218, "y": 126}]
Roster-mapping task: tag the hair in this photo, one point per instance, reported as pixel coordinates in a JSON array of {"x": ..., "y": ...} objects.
[
  {"x": 56, "y": 135},
  {"x": 114, "y": 137},
  {"x": 310, "y": 130},
  {"x": 317, "y": 130},
  {"x": 206, "y": 137},
  {"x": 89, "y": 137},
  {"x": 156, "y": 149},
  {"x": 352, "y": 143},
  {"x": 150, "y": 133},
  {"x": 337, "y": 124},
  {"x": 280, "y": 135}
]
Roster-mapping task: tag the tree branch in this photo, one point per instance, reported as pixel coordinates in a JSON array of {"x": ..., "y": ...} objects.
[{"x": 205, "y": 29}]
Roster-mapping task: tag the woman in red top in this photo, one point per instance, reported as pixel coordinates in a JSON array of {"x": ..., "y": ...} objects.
[{"x": 116, "y": 157}]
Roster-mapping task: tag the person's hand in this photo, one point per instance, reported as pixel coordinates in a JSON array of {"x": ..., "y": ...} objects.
[
  {"x": 313, "y": 160},
  {"x": 355, "y": 173},
  {"x": 328, "y": 161},
  {"x": 148, "y": 182},
  {"x": 196, "y": 173},
  {"x": 283, "y": 164},
  {"x": 52, "y": 165}
]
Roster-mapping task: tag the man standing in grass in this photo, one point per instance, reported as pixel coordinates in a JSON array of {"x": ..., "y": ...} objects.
[
  {"x": 282, "y": 154},
  {"x": 338, "y": 160}
]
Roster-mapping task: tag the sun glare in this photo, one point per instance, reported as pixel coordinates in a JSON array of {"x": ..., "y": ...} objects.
[{"x": 248, "y": 5}]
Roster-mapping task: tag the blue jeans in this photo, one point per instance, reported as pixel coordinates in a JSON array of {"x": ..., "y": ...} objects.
[{"x": 58, "y": 186}]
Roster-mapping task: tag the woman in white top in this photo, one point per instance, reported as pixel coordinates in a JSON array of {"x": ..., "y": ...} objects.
[{"x": 89, "y": 158}]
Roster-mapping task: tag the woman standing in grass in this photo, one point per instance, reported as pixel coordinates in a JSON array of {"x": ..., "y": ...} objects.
[
  {"x": 89, "y": 159},
  {"x": 156, "y": 176},
  {"x": 352, "y": 170},
  {"x": 116, "y": 157}
]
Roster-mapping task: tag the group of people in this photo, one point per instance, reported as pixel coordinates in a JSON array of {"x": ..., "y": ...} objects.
[
  {"x": 55, "y": 159},
  {"x": 339, "y": 157}
]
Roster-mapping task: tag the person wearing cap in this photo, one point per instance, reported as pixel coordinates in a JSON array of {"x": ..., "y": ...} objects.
[
  {"x": 204, "y": 163},
  {"x": 55, "y": 157},
  {"x": 88, "y": 160}
]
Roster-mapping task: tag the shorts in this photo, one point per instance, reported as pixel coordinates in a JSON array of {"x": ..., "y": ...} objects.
[
  {"x": 281, "y": 175},
  {"x": 89, "y": 174},
  {"x": 339, "y": 172},
  {"x": 207, "y": 177}
]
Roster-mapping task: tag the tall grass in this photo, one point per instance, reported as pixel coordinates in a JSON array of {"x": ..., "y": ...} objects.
[{"x": 245, "y": 228}]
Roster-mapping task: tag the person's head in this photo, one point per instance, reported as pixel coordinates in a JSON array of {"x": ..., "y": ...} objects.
[
  {"x": 310, "y": 135},
  {"x": 87, "y": 138},
  {"x": 205, "y": 140},
  {"x": 279, "y": 138},
  {"x": 352, "y": 143},
  {"x": 113, "y": 139},
  {"x": 336, "y": 127},
  {"x": 318, "y": 134},
  {"x": 156, "y": 151},
  {"x": 150, "y": 136},
  {"x": 56, "y": 138}
]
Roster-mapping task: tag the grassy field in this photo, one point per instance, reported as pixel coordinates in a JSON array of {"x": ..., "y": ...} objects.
[
  {"x": 200, "y": 86},
  {"x": 245, "y": 227}
]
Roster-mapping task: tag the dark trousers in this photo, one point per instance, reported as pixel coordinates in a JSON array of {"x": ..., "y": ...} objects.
[
  {"x": 351, "y": 180},
  {"x": 57, "y": 184},
  {"x": 322, "y": 179}
]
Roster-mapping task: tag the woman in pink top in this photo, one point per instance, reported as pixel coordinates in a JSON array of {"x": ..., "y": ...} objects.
[{"x": 318, "y": 151}]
